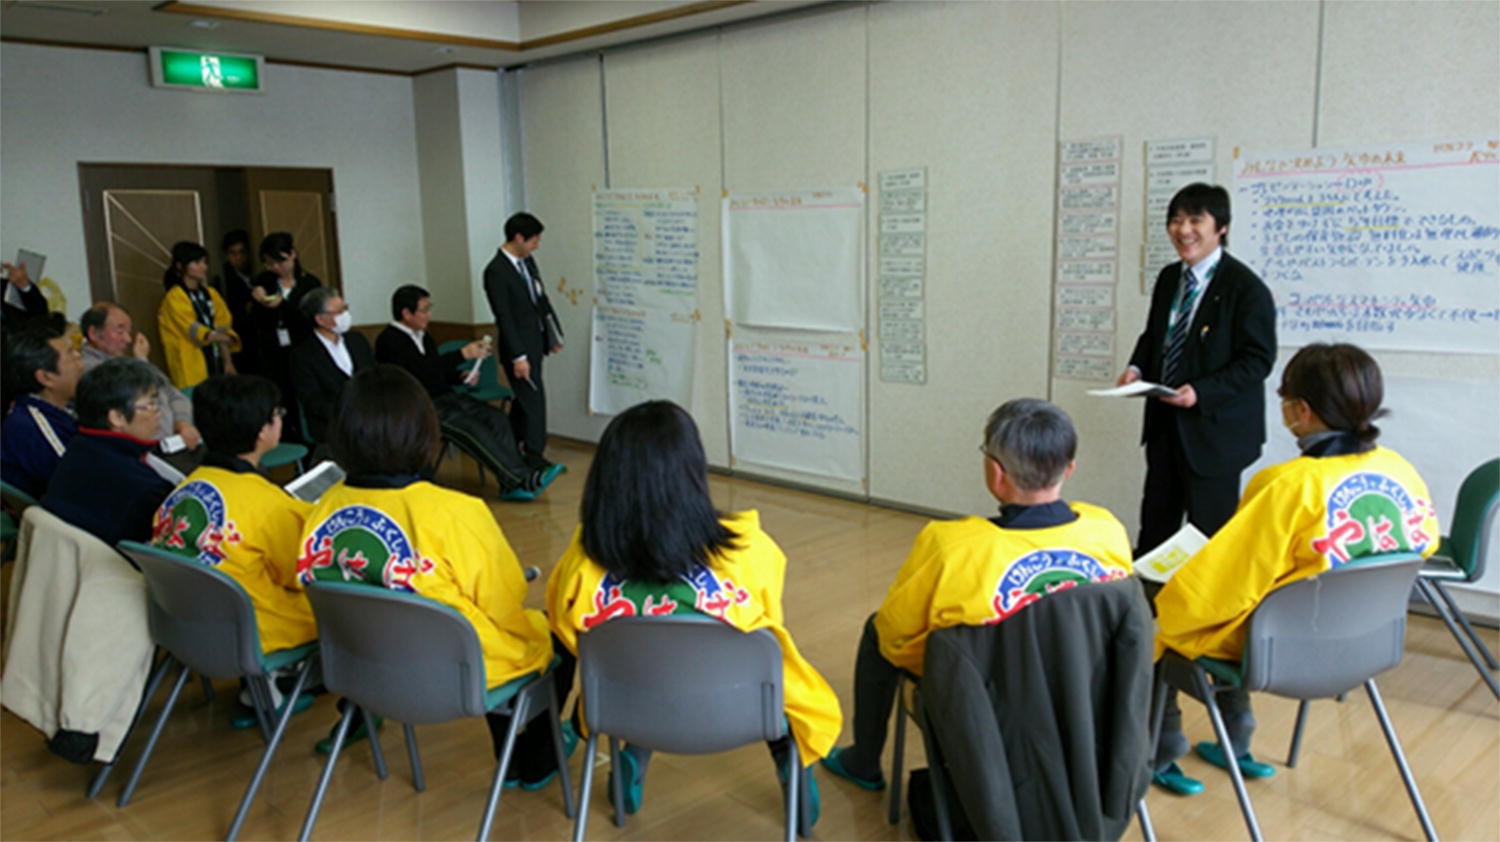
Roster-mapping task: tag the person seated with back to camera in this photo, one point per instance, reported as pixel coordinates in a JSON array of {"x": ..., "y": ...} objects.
[
  {"x": 108, "y": 483},
  {"x": 1343, "y": 498},
  {"x": 387, "y": 526},
  {"x": 976, "y": 571},
  {"x": 109, "y": 334},
  {"x": 227, "y": 515},
  {"x": 42, "y": 368},
  {"x": 481, "y": 427},
  {"x": 650, "y": 542}
]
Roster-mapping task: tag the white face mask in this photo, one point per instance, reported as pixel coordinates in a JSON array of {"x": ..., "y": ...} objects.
[{"x": 342, "y": 322}]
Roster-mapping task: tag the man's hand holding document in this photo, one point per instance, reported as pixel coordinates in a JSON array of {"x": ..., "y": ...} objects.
[
  {"x": 1159, "y": 564},
  {"x": 1136, "y": 389}
]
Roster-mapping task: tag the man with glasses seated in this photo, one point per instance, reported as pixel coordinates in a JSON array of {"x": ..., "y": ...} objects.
[
  {"x": 976, "y": 571},
  {"x": 109, "y": 483}
]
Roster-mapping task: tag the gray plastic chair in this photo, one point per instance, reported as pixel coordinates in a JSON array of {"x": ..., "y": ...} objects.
[
  {"x": 417, "y": 661},
  {"x": 1462, "y": 558},
  {"x": 205, "y": 621},
  {"x": 681, "y": 684},
  {"x": 1315, "y": 638}
]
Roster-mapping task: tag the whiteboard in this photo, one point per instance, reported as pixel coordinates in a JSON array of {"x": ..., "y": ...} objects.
[
  {"x": 640, "y": 354},
  {"x": 798, "y": 406},
  {"x": 792, "y": 259},
  {"x": 1393, "y": 246}
]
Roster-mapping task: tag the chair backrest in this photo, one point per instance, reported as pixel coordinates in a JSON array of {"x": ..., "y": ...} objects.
[
  {"x": 398, "y": 654},
  {"x": 1474, "y": 518},
  {"x": 682, "y": 684},
  {"x": 1327, "y": 634},
  {"x": 201, "y": 616},
  {"x": 15, "y": 499}
]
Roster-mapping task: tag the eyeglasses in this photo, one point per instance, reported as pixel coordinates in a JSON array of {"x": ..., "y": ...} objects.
[{"x": 147, "y": 405}]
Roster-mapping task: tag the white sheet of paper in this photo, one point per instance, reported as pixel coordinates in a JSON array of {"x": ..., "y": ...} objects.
[
  {"x": 1159, "y": 564},
  {"x": 1139, "y": 388}
]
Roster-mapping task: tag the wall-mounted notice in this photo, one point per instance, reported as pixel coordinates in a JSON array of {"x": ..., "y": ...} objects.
[
  {"x": 1088, "y": 248},
  {"x": 793, "y": 259},
  {"x": 640, "y": 354},
  {"x": 1170, "y": 166},
  {"x": 646, "y": 248},
  {"x": 1390, "y": 246},
  {"x": 903, "y": 269},
  {"x": 798, "y": 406}
]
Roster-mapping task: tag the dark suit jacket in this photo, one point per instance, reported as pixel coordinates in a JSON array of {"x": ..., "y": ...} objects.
[
  {"x": 438, "y": 373},
  {"x": 525, "y": 328},
  {"x": 1231, "y": 346},
  {"x": 319, "y": 382}
]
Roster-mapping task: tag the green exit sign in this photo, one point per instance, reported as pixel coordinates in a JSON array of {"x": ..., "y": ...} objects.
[{"x": 199, "y": 71}]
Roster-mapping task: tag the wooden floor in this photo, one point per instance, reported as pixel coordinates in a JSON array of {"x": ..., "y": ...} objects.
[{"x": 842, "y": 557}]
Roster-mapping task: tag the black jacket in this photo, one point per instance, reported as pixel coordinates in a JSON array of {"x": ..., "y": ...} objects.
[{"x": 1043, "y": 720}]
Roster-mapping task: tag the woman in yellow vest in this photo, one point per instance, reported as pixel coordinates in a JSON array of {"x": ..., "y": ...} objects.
[
  {"x": 1345, "y": 497},
  {"x": 197, "y": 336},
  {"x": 388, "y": 526},
  {"x": 651, "y": 542}
]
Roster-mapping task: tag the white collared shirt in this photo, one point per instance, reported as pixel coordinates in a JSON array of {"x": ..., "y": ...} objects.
[
  {"x": 339, "y": 350},
  {"x": 416, "y": 335},
  {"x": 1205, "y": 277}
]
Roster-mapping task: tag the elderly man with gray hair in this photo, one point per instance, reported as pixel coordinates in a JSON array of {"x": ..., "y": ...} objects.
[{"x": 977, "y": 571}]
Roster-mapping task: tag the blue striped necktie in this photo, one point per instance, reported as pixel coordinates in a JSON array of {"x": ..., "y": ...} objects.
[{"x": 1177, "y": 335}]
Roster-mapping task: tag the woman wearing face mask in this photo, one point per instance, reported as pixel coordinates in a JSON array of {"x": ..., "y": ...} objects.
[
  {"x": 1343, "y": 498},
  {"x": 197, "y": 336},
  {"x": 325, "y": 361}
]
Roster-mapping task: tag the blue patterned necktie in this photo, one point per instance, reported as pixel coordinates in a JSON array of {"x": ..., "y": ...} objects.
[{"x": 1177, "y": 336}]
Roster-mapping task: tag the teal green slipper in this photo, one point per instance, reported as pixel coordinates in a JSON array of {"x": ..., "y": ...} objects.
[
  {"x": 1249, "y": 766},
  {"x": 1172, "y": 779},
  {"x": 245, "y": 718},
  {"x": 836, "y": 766},
  {"x": 633, "y": 782},
  {"x": 325, "y": 745}
]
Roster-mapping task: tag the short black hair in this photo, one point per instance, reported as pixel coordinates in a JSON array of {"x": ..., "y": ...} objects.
[
  {"x": 183, "y": 253},
  {"x": 1033, "y": 440},
  {"x": 28, "y": 348},
  {"x": 1203, "y": 198},
  {"x": 646, "y": 513},
  {"x": 276, "y": 245},
  {"x": 113, "y": 384},
  {"x": 407, "y": 297},
  {"x": 238, "y": 236},
  {"x": 229, "y": 410},
  {"x": 315, "y": 302},
  {"x": 385, "y": 424},
  {"x": 523, "y": 224}
]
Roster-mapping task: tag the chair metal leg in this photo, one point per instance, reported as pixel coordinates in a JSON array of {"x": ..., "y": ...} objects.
[
  {"x": 265, "y": 759},
  {"x": 381, "y": 771},
  {"x": 1400, "y": 757},
  {"x": 208, "y": 688},
  {"x": 554, "y": 721},
  {"x": 152, "y": 683},
  {"x": 339, "y": 733},
  {"x": 582, "y": 818},
  {"x": 517, "y": 720},
  {"x": 1296, "y": 748},
  {"x": 898, "y": 754},
  {"x": 617, "y": 782},
  {"x": 1227, "y": 747},
  {"x": 1425, "y": 588},
  {"x": 260, "y": 698},
  {"x": 1463, "y": 621},
  {"x": 417, "y": 780},
  {"x": 161, "y": 721},
  {"x": 1148, "y": 830},
  {"x": 793, "y": 792}
]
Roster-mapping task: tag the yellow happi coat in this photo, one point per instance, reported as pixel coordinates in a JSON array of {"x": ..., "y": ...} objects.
[
  {"x": 248, "y": 528},
  {"x": 1295, "y": 520},
  {"x": 442, "y": 544},
  {"x": 970, "y": 572},
  {"x": 183, "y": 336},
  {"x": 741, "y": 586}
]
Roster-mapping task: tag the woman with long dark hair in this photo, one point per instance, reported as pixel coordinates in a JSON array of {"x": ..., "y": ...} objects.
[
  {"x": 197, "y": 332},
  {"x": 1343, "y": 498},
  {"x": 651, "y": 543}
]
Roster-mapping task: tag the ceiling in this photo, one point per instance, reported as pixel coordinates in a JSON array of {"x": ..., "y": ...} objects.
[{"x": 391, "y": 36}]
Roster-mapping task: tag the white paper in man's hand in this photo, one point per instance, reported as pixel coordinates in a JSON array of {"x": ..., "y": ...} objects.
[{"x": 1137, "y": 389}]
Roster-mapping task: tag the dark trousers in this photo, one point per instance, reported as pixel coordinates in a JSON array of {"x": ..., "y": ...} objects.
[
  {"x": 483, "y": 431},
  {"x": 528, "y": 412},
  {"x": 533, "y": 758},
  {"x": 1172, "y": 490},
  {"x": 875, "y": 681}
]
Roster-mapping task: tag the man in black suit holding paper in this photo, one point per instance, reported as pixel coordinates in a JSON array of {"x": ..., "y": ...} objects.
[
  {"x": 1211, "y": 336},
  {"x": 528, "y": 329}
]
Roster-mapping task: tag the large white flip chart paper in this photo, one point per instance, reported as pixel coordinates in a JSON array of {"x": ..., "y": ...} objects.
[
  {"x": 798, "y": 406},
  {"x": 1388, "y": 246},
  {"x": 792, "y": 259},
  {"x": 640, "y": 354}
]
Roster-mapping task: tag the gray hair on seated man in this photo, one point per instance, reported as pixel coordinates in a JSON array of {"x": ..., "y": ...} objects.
[
  {"x": 1033, "y": 440},
  {"x": 315, "y": 302}
]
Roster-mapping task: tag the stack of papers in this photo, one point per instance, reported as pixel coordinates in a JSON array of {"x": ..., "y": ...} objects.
[
  {"x": 1138, "y": 389},
  {"x": 1159, "y": 564}
]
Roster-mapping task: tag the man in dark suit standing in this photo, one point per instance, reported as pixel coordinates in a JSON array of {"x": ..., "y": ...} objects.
[
  {"x": 528, "y": 329},
  {"x": 1211, "y": 336},
  {"x": 324, "y": 362}
]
